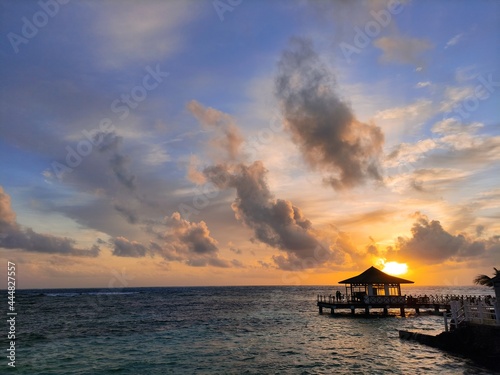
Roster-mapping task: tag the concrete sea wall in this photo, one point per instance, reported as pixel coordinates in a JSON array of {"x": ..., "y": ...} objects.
[{"x": 478, "y": 342}]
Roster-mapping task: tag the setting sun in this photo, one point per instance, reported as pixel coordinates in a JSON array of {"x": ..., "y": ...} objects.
[{"x": 395, "y": 268}]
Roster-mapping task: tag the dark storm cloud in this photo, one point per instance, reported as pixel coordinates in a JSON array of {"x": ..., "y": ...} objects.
[
  {"x": 431, "y": 244},
  {"x": 275, "y": 222},
  {"x": 322, "y": 124},
  {"x": 13, "y": 236}
]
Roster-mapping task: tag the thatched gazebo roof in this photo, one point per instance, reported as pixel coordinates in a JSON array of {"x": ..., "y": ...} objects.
[{"x": 374, "y": 276}]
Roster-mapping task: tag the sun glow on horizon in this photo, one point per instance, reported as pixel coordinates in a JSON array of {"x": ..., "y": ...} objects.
[{"x": 395, "y": 268}]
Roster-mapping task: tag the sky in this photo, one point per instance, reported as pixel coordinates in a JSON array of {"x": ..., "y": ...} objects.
[{"x": 238, "y": 142}]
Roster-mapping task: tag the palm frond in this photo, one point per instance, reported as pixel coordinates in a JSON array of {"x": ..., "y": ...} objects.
[{"x": 485, "y": 279}]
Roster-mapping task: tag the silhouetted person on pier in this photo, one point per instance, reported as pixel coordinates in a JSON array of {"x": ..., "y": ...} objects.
[{"x": 338, "y": 296}]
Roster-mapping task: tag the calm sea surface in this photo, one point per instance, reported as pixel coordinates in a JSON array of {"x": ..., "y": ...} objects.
[{"x": 219, "y": 330}]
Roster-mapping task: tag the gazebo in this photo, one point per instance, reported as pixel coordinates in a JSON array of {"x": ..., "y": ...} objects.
[{"x": 373, "y": 283}]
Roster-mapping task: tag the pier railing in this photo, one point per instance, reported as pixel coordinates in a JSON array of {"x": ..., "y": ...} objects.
[
  {"x": 477, "y": 312},
  {"x": 384, "y": 300},
  {"x": 442, "y": 300},
  {"x": 376, "y": 300}
]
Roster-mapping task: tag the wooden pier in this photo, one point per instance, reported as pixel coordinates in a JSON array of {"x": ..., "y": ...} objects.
[
  {"x": 403, "y": 303},
  {"x": 374, "y": 289}
]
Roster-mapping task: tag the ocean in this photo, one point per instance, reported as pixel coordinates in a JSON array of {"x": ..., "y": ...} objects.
[{"x": 219, "y": 330}]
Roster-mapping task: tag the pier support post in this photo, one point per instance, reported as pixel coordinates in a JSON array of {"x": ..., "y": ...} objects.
[
  {"x": 402, "y": 312},
  {"x": 417, "y": 310},
  {"x": 352, "y": 310},
  {"x": 367, "y": 310},
  {"x": 386, "y": 311},
  {"x": 333, "y": 311},
  {"x": 321, "y": 309}
]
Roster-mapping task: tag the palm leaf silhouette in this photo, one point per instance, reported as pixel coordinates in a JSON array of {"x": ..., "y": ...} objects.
[{"x": 485, "y": 279}]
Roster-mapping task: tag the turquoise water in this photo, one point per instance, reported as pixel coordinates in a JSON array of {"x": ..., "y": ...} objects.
[{"x": 219, "y": 330}]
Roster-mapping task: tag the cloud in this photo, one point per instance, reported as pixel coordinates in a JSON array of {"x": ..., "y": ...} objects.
[
  {"x": 322, "y": 124},
  {"x": 455, "y": 157},
  {"x": 419, "y": 85},
  {"x": 125, "y": 248},
  {"x": 134, "y": 33},
  {"x": 111, "y": 144},
  {"x": 431, "y": 244},
  {"x": 345, "y": 17},
  {"x": 466, "y": 73},
  {"x": 370, "y": 218},
  {"x": 453, "y": 95},
  {"x": 13, "y": 236},
  {"x": 193, "y": 173},
  {"x": 7, "y": 215},
  {"x": 275, "y": 222},
  {"x": 156, "y": 155},
  {"x": 452, "y": 126},
  {"x": 190, "y": 242},
  {"x": 228, "y": 134},
  {"x": 128, "y": 213},
  {"x": 407, "y": 154},
  {"x": 236, "y": 263},
  {"x": 438, "y": 179},
  {"x": 489, "y": 199},
  {"x": 188, "y": 237},
  {"x": 464, "y": 149},
  {"x": 235, "y": 249},
  {"x": 177, "y": 240},
  {"x": 420, "y": 111},
  {"x": 453, "y": 41},
  {"x": 402, "y": 50}
]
